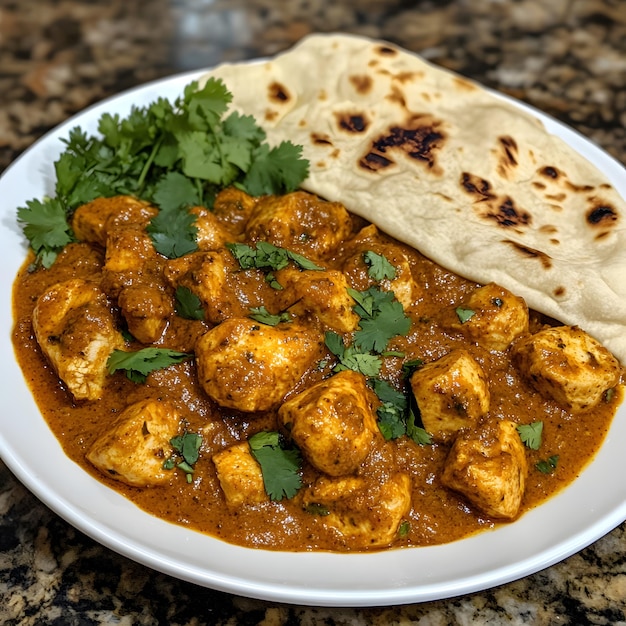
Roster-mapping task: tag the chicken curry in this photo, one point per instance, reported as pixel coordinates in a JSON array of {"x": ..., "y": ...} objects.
[{"x": 302, "y": 381}]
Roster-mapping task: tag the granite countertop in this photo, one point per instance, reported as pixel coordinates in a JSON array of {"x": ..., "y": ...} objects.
[{"x": 566, "y": 57}]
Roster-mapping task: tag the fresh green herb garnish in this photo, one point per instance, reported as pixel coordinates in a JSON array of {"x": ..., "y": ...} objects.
[
  {"x": 530, "y": 434},
  {"x": 188, "y": 305},
  {"x": 174, "y": 155},
  {"x": 261, "y": 314},
  {"x": 379, "y": 266},
  {"x": 267, "y": 256},
  {"x": 404, "y": 528},
  {"x": 280, "y": 466},
  {"x": 382, "y": 318},
  {"x": 350, "y": 358},
  {"x": 140, "y": 363},
  {"x": 45, "y": 226},
  {"x": 186, "y": 446},
  {"x": 464, "y": 315},
  {"x": 549, "y": 465},
  {"x": 173, "y": 232}
]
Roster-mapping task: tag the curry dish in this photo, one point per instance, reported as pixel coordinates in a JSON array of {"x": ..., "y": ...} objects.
[{"x": 413, "y": 432}]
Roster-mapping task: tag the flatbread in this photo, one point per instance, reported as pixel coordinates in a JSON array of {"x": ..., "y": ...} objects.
[{"x": 441, "y": 163}]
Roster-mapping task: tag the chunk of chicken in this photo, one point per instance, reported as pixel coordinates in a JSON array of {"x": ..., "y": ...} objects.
[
  {"x": 489, "y": 469},
  {"x": 249, "y": 366},
  {"x": 240, "y": 475},
  {"x": 211, "y": 235},
  {"x": 75, "y": 329},
  {"x": 357, "y": 270},
  {"x": 300, "y": 222},
  {"x": 451, "y": 393},
  {"x": 321, "y": 295},
  {"x": 147, "y": 308},
  {"x": 233, "y": 208},
  {"x": 491, "y": 316},
  {"x": 364, "y": 513},
  {"x": 333, "y": 422},
  {"x": 567, "y": 365},
  {"x": 137, "y": 443},
  {"x": 92, "y": 221},
  {"x": 130, "y": 257}
]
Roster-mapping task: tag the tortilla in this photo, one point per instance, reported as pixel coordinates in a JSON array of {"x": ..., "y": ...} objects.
[{"x": 439, "y": 162}]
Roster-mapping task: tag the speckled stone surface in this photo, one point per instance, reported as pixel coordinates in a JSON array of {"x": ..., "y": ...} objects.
[{"x": 566, "y": 57}]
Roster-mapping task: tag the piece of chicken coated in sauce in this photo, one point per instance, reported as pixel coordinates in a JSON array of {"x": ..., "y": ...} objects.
[
  {"x": 357, "y": 270},
  {"x": 493, "y": 317},
  {"x": 566, "y": 364},
  {"x": 321, "y": 295},
  {"x": 76, "y": 330},
  {"x": 489, "y": 469},
  {"x": 451, "y": 393},
  {"x": 92, "y": 222},
  {"x": 133, "y": 448},
  {"x": 211, "y": 233},
  {"x": 300, "y": 222},
  {"x": 147, "y": 308},
  {"x": 233, "y": 207},
  {"x": 240, "y": 476},
  {"x": 248, "y": 366},
  {"x": 364, "y": 513},
  {"x": 333, "y": 422}
]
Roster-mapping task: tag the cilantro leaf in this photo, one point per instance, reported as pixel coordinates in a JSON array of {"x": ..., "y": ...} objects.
[
  {"x": 267, "y": 256},
  {"x": 549, "y": 465},
  {"x": 174, "y": 191},
  {"x": 262, "y": 315},
  {"x": 173, "y": 232},
  {"x": 186, "y": 446},
  {"x": 530, "y": 434},
  {"x": 379, "y": 266},
  {"x": 139, "y": 364},
  {"x": 188, "y": 305},
  {"x": 280, "y": 467},
  {"x": 464, "y": 315},
  {"x": 277, "y": 170},
  {"x": 419, "y": 435},
  {"x": 46, "y": 228},
  {"x": 375, "y": 332}
]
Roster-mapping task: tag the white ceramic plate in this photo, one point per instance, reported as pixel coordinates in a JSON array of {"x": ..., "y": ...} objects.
[{"x": 592, "y": 506}]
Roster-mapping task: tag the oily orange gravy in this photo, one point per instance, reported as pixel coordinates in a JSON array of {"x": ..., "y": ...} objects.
[{"x": 437, "y": 514}]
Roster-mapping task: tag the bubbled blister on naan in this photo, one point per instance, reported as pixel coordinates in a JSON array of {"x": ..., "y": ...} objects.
[{"x": 467, "y": 178}]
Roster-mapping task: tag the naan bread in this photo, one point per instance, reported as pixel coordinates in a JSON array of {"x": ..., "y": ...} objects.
[{"x": 437, "y": 161}]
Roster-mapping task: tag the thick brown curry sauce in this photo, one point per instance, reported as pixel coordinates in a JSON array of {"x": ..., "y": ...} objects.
[{"x": 437, "y": 514}]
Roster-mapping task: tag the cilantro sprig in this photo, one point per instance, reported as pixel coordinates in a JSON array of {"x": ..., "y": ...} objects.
[
  {"x": 186, "y": 453},
  {"x": 174, "y": 154},
  {"x": 280, "y": 466},
  {"x": 531, "y": 434},
  {"x": 140, "y": 363}
]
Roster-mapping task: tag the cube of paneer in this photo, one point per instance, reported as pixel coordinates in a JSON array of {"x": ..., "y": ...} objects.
[
  {"x": 249, "y": 366},
  {"x": 451, "y": 393},
  {"x": 76, "y": 330},
  {"x": 333, "y": 422},
  {"x": 136, "y": 444},
  {"x": 300, "y": 222},
  {"x": 240, "y": 475},
  {"x": 489, "y": 469},
  {"x": 491, "y": 316},
  {"x": 364, "y": 512},
  {"x": 92, "y": 221},
  {"x": 321, "y": 295},
  {"x": 567, "y": 365}
]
